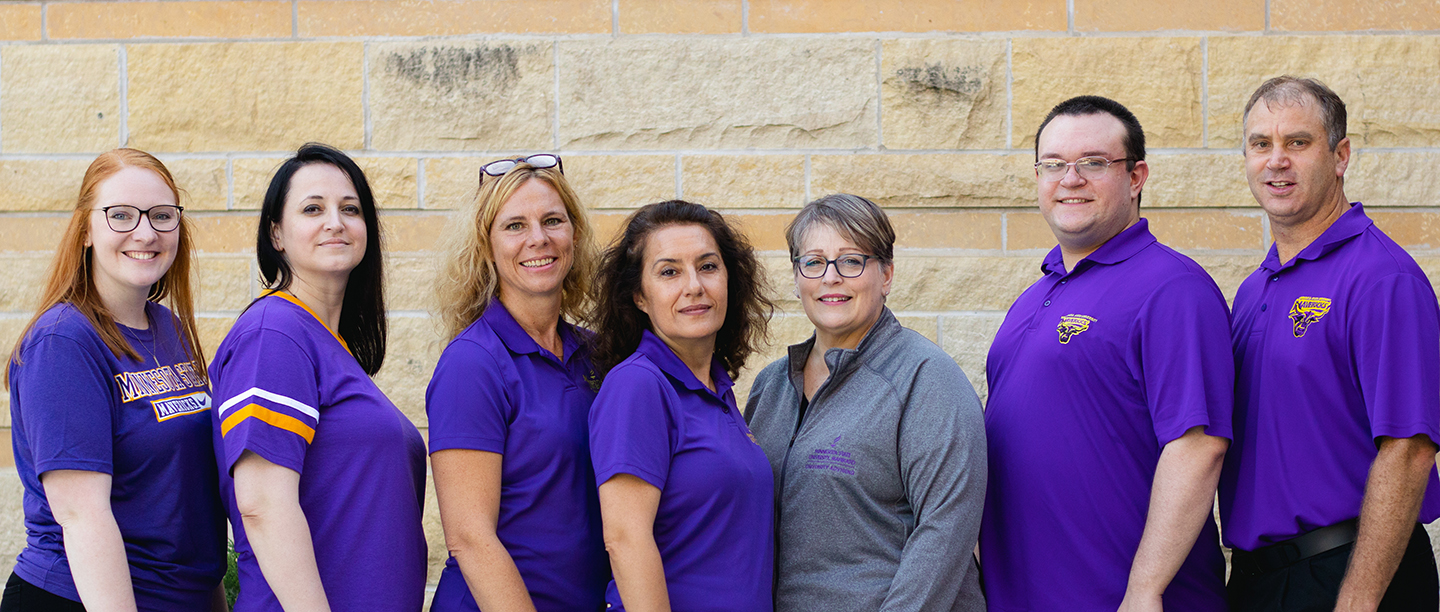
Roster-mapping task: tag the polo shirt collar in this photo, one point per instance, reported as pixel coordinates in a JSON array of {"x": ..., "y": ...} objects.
[
  {"x": 1121, "y": 247},
  {"x": 1351, "y": 223},
  {"x": 516, "y": 339},
  {"x": 659, "y": 353}
]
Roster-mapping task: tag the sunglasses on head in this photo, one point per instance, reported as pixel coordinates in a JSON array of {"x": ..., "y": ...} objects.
[{"x": 538, "y": 160}]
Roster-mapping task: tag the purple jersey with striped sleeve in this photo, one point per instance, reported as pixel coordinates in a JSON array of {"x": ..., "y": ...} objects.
[
  {"x": 75, "y": 405},
  {"x": 654, "y": 420},
  {"x": 290, "y": 391}
]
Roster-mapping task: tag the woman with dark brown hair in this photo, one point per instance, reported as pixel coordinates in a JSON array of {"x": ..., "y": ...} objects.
[
  {"x": 686, "y": 495},
  {"x": 109, "y": 405}
]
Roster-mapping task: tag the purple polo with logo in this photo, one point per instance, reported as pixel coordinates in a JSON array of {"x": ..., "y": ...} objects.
[
  {"x": 289, "y": 390},
  {"x": 496, "y": 390},
  {"x": 1092, "y": 373},
  {"x": 1334, "y": 349},
  {"x": 715, "y": 525},
  {"x": 75, "y": 405}
]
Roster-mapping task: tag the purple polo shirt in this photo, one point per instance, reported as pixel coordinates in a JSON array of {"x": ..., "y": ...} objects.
[
  {"x": 290, "y": 391},
  {"x": 1334, "y": 349},
  {"x": 75, "y": 405},
  {"x": 496, "y": 390},
  {"x": 1091, "y": 374},
  {"x": 715, "y": 525}
]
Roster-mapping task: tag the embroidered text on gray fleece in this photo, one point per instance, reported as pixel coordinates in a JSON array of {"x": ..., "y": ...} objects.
[{"x": 879, "y": 488}]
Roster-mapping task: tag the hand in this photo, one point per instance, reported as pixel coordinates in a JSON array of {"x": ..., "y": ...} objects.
[{"x": 1141, "y": 603}]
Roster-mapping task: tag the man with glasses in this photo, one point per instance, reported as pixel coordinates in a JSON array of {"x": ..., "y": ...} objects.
[
  {"x": 1337, "y": 390},
  {"x": 1110, "y": 396}
]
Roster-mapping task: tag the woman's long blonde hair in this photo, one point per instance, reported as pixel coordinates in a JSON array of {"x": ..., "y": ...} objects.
[
  {"x": 70, "y": 279},
  {"x": 468, "y": 280}
]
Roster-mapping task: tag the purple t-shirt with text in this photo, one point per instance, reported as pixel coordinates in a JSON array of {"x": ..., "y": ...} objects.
[
  {"x": 1092, "y": 373},
  {"x": 715, "y": 525},
  {"x": 1333, "y": 350},
  {"x": 496, "y": 390},
  {"x": 290, "y": 391},
  {"x": 74, "y": 405}
]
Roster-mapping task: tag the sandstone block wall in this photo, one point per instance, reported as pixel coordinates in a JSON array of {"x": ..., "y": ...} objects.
[{"x": 751, "y": 106}]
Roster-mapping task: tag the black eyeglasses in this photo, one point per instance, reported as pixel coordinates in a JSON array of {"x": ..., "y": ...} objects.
[
  {"x": 847, "y": 266},
  {"x": 125, "y": 218},
  {"x": 538, "y": 160}
]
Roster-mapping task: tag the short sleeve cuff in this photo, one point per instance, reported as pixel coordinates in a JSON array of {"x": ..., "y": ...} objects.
[
  {"x": 489, "y": 445},
  {"x": 1409, "y": 430},
  {"x": 83, "y": 465},
  {"x": 604, "y": 475}
]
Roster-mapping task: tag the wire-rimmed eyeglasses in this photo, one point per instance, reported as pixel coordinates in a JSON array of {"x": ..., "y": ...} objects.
[
  {"x": 125, "y": 218},
  {"x": 1086, "y": 167},
  {"x": 538, "y": 160},
  {"x": 848, "y": 266}
]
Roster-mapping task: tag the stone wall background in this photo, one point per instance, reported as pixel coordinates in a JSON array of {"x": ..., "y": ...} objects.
[{"x": 750, "y": 106}]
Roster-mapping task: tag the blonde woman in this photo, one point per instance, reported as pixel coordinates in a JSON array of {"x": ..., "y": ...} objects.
[
  {"x": 510, "y": 397},
  {"x": 109, "y": 406}
]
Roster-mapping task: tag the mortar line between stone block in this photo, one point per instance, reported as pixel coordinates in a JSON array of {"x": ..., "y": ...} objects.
[
  {"x": 1009, "y": 93},
  {"x": 1204, "y": 91},
  {"x": 1267, "y": 16},
  {"x": 807, "y": 177},
  {"x": 939, "y": 330},
  {"x": 229, "y": 184},
  {"x": 2, "y": 101},
  {"x": 744, "y": 17},
  {"x": 1004, "y": 232},
  {"x": 420, "y": 183},
  {"x": 365, "y": 127},
  {"x": 879, "y": 96},
  {"x": 679, "y": 180},
  {"x": 555, "y": 108},
  {"x": 294, "y": 18},
  {"x": 124, "y": 73},
  {"x": 44, "y": 21},
  {"x": 1264, "y": 231},
  {"x": 614, "y": 17},
  {"x": 1070, "y": 16}
]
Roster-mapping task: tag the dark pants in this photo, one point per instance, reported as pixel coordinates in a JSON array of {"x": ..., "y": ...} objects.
[
  {"x": 1314, "y": 583},
  {"x": 21, "y": 596}
]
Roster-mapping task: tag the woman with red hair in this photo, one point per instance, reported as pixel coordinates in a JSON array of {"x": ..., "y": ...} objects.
[{"x": 109, "y": 405}]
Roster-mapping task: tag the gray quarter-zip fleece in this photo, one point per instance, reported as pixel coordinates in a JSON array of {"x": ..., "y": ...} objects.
[{"x": 879, "y": 488}]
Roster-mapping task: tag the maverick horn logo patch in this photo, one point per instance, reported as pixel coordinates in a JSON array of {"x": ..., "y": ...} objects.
[
  {"x": 1306, "y": 312},
  {"x": 1072, "y": 324}
]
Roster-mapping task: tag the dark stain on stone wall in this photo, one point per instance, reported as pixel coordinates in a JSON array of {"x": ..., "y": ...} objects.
[
  {"x": 966, "y": 81},
  {"x": 450, "y": 68}
]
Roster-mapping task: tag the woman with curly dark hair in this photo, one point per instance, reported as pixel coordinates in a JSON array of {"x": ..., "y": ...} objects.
[{"x": 686, "y": 495}]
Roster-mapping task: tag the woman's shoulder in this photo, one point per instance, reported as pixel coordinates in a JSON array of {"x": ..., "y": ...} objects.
[
  {"x": 62, "y": 320},
  {"x": 635, "y": 371}
]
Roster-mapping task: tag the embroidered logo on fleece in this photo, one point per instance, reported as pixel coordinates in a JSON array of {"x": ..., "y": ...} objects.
[
  {"x": 1306, "y": 312},
  {"x": 1072, "y": 324},
  {"x": 832, "y": 459}
]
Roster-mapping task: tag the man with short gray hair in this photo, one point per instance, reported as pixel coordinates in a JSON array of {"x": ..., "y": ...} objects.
[{"x": 1337, "y": 389}]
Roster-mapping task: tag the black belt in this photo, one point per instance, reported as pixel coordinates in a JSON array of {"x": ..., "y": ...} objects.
[{"x": 1276, "y": 556}]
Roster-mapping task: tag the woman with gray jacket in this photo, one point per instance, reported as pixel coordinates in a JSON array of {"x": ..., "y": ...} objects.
[{"x": 875, "y": 436}]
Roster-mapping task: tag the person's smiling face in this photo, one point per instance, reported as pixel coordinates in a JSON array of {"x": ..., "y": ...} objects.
[
  {"x": 130, "y": 262},
  {"x": 842, "y": 309},
  {"x": 1085, "y": 212},
  {"x": 1292, "y": 171},
  {"x": 532, "y": 242},
  {"x": 322, "y": 230},
  {"x": 683, "y": 286}
]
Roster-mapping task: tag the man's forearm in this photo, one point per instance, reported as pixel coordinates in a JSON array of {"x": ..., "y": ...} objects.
[
  {"x": 1393, "y": 494},
  {"x": 1180, "y": 502}
]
